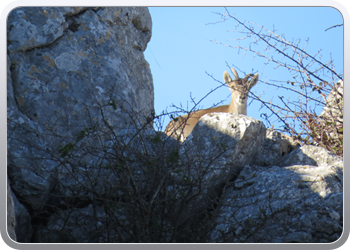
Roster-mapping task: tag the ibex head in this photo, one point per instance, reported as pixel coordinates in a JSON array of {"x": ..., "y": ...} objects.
[{"x": 240, "y": 88}]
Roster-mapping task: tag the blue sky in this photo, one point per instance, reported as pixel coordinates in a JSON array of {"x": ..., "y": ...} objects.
[{"x": 181, "y": 53}]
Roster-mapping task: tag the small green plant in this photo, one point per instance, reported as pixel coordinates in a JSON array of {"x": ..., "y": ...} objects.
[
  {"x": 64, "y": 150},
  {"x": 113, "y": 103}
]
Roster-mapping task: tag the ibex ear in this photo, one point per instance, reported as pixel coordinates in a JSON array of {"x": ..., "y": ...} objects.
[
  {"x": 227, "y": 77},
  {"x": 235, "y": 73},
  {"x": 253, "y": 81}
]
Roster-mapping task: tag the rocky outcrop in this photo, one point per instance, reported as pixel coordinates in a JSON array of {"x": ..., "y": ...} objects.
[
  {"x": 295, "y": 196},
  {"x": 300, "y": 200},
  {"x": 276, "y": 145},
  {"x": 230, "y": 136},
  {"x": 71, "y": 72},
  {"x": 297, "y": 199}
]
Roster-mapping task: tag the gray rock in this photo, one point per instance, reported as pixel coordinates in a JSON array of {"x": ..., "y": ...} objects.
[
  {"x": 312, "y": 155},
  {"x": 276, "y": 145},
  {"x": 79, "y": 225},
  {"x": 300, "y": 203},
  {"x": 71, "y": 71},
  {"x": 297, "y": 200},
  {"x": 11, "y": 214},
  {"x": 143, "y": 144},
  {"x": 333, "y": 110},
  {"x": 331, "y": 121},
  {"x": 235, "y": 138},
  {"x": 215, "y": 153},
  {"x": 24, "y": 230},
  {"x": 305, "y": 188}
]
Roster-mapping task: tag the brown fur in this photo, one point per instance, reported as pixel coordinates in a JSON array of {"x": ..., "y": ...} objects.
[{"x": 181, "y": 127}]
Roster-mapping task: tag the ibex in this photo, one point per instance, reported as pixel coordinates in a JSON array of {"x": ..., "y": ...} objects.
[{"x": 181, "y": 127}]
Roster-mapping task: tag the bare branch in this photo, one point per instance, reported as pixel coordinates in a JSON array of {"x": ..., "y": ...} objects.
[{"x": 334, "y": 26}]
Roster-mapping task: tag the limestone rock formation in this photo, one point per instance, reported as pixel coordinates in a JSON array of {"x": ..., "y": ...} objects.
[
  {"x": 295, "y": 197},
  {"x": 276, "y": 145},
  {"x": 299, "y": 203},
  {"x": 71, "y": 72}
]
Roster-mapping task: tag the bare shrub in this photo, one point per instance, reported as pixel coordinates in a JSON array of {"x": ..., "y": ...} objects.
[
  {"x": 124, "y": 185},
  {"x": 308, "y": 76}
]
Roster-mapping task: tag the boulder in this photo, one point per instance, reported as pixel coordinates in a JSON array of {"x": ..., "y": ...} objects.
[
  {"x": 71, "y": 72},
  {"x": 300, "y": 203}
]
